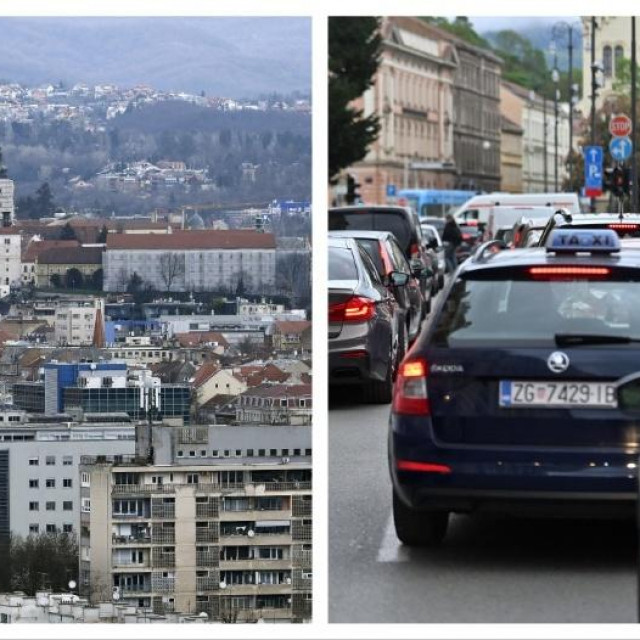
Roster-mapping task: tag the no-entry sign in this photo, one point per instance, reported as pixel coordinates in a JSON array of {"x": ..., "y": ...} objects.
[{"x": 620, "y": 126}]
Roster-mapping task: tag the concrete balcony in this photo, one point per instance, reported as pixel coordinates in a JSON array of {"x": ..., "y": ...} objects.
[
  {"x": 258, "y": 538},
  {"x": 162, "y": 585},
  {"x": 130, "y": 541},
  {"x": 256, "y": 589},
  {"x": 302, "y": 559},
  {"x": 207, "y": 535},
  {"x": 141, "y": 489},
  {"x": 163, "y": 537},
  {"x": 162, "y": 560},
  {"x": 207, "y": 559},
  {"x": 255, "y": 515},
  {"x": 130, "y": 567},
  {"x": 208, "y": 583},
  {"x": 163, "y": 511},
  {"x": 256, "y": 564},
  {"x": 207, "y": 510}
]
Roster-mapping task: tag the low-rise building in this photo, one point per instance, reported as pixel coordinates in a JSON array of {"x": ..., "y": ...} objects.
[
  {"x": 7, "y": 209},
  {"x": 291, "y": 336},
  {"x": 10, "y": 257},
  {"x": 72, "y": 267},
  {"x": 275, "y": 404}
]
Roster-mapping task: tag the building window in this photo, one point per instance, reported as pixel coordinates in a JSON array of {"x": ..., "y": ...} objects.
[
  {"x": 34, "y": 528},
  {"x": 67, "y": 483},
  {"x": 249, "y": 453},
  {"x": 238, "y": 453},
  {"x": 51, "y": 528},
  {"x": 67, "y": 460},
  {"x": 33, "y": 483},
  {"x": 34, "y": 506},
  {"x": 34, "y": 462},
  {"x": 273, "y": 452},
  {"x": 619, "y": 54},
  {"x": 180, "y": 453},
  {"x": 67, "y": 505},
  {"x": 261, "y": 452},
  {"x": 84, "y": 479},
  {"x": 192, "y": 478},
  {"x": 67, "y": 528},
  {"x": 203, "y": 453},
  {"x": 214, "y": 453},
  {"x": 607, "y": 62},
  {"x": 50, "y": 483},
  {"x": 86, "y": 505},
  {"x": 51, "y": 506},
  {"x": 50, "y": 460}
]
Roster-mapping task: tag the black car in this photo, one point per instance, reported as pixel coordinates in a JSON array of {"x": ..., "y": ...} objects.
[
  {"x": 385, "y": 253},
  {"x": 626, "y": 225},
  {"x": 365, "y": 322},
  {"x": 403, "y": 222},
  {"x": 523, "y": 395}
]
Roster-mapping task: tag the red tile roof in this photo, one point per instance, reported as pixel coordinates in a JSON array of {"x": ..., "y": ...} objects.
[
  {"x": 202, "y": 239},
  {"x": 71, "y": 255},
  {"x": 292, "y": 326},
  {"x": 195, "y": 338},
  {"x": 35, "y": 248},
  {"x": 280, "y": 391},
  {"x": 204, "y": 373}
]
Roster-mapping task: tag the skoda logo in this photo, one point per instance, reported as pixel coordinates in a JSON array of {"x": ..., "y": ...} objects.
[{"x": 558, "y": 362}]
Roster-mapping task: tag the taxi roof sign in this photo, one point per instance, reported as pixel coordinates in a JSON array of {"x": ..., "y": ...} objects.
[{"x": 583, "y": 240}]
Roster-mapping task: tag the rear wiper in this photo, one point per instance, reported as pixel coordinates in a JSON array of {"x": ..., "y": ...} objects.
[{"x": 568, "y": 339}]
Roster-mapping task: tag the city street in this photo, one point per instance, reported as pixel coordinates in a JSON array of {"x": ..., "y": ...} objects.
[{"x": 489, "y": 569}]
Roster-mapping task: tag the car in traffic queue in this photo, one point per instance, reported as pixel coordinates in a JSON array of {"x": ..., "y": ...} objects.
[
  {"x": 523, "y": 394},
  {"x": 387, "y": 257},
  {"x": 434, "y": 245},
  {"x": 365, "y": 322},
  {"x": 403, "y": 222},
  {"x": 471, "y": 238},
  {"x": 626, "y": 225}
]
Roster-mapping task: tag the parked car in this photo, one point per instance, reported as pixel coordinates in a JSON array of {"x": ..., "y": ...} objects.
[
  {"x": 403, "y": 222},
  {"x": 387, "y": 257},
  {"x": 471, "y": 238},
  {"x": 365, "y": 322}
]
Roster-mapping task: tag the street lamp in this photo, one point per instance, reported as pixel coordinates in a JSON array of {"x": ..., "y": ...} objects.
[{"x": 555, "y": 77}]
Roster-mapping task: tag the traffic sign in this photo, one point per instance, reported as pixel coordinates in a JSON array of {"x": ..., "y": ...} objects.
[
  {"x": 391, "y": 191},
  {"x": 593, "y": 171},
  {"x": 620, "y": 148},
  {"x": 620, "y": 126}
]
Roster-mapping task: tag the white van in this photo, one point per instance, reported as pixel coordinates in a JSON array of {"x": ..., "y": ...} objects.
[
  {"x": 507, "y": 217},
  {"x": 479, "y": 207}
]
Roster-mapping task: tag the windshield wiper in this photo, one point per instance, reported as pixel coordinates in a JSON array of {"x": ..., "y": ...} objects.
[{"x": 569, "y": 339}]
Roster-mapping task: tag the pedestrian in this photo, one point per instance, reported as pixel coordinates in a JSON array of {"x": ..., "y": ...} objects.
[{"x": 452, "y": 238}]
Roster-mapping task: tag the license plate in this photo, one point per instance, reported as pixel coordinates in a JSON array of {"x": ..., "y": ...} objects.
[{"x": 515, "y": 393}]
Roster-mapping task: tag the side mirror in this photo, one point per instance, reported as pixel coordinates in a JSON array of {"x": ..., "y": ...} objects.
[
  {"x": 433, "y": 244},
  {"x": 399, "y": 279},
  {"x": 628, "y": 393}
]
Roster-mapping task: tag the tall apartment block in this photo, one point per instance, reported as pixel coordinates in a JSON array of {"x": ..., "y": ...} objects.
[
  {"x": 218, "y": 522},
  {"x": 7, "y": 211}
]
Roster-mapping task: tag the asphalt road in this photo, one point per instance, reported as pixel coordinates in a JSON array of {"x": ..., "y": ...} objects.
[{"x": 488, "y": 570}]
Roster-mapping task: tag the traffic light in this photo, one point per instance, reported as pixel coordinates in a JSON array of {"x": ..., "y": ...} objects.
[
  {"x": 353, "y": 195},
  {"x": 620, "y": 181}
]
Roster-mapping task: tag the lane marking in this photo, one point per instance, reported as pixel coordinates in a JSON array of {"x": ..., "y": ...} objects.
[{"x": 391, "y": 549}]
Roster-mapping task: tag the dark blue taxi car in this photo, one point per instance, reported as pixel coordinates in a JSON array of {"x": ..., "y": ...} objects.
[{"x": 522, "y": 396}]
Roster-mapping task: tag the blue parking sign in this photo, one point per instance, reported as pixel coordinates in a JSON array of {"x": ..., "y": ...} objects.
[
  {"x": 391, "y": 191},
  {"x": 593, "y": 171}
]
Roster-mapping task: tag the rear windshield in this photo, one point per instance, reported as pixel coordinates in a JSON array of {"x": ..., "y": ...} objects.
[
  {"x": 521, "y": 312},
  {"x": 363, "y": 220},
  {"x": 372, "y": 247},
  {"x": 341, "y": 264}
]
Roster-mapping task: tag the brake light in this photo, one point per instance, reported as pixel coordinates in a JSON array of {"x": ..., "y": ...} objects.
[
  {"x": 466, "y": 236},
  {"x": 414, "y": 251},
  {"x": 623, "y": 226},
  {"x": 354, "y": 309},
  {"x": 423, "y": 467},
  {"x": 410, "y": 393},
  {"x": 560, "y": 273}
]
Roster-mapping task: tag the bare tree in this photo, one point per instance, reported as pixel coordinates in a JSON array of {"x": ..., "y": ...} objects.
[
  {"x": 293, "y": 276},
  {"x": 123, "y": 279},
  {"x": 171, "y": 268}
]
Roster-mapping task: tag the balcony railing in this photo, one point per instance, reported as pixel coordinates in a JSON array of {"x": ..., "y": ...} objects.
[
  {"x": 163, "y": 559},
  {"x": 302, "y": 558},
  {"x": 162, "y": 585},
  {"x": 135, "y": 588},
  {"x": 207, "y": 559},
  {"x": 163, "y": 537},
  {"x": 207, "y": 535},
  {"x": 163, "y": 511},
  {"x": 207, "y": 583},
  {"x": 207, "y": 510},
  {"x": 138, "y": 489},
  {"x": 130, "y": 540}
]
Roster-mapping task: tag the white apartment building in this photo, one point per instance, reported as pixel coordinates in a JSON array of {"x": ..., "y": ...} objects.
[
  {"x": 10, "y": 257},
  {"x": 7, "y": 210},
  {"x": 220, "y": 523},
  {"x": 79, "y": 324},
  {"x": 41, "y": 461},
  {"x": 202, "y": 260}
]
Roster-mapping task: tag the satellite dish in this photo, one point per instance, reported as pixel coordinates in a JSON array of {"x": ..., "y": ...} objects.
[
  {"x": 204, "y": 615},
  {"x": 72, "y": 584},
  {"x": 223, "y": 585},
  {"x": 251, "y": 533},
  {"x": 116, "y": 596}
]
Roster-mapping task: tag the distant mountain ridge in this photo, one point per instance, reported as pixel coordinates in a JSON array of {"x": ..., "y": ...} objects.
[{"x": 231, "y": 57}]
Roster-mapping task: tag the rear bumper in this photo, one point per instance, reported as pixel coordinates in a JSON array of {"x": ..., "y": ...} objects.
[
  {"x": 536, "y": 481},
  {"x": 344, "y": 369}
]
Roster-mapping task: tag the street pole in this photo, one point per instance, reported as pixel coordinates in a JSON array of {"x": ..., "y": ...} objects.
[
  {"x": 555, "y": 141},
  {"x": 545, "y": 157},
  {"x": 634, "y": 157},
  {"x": 570, "y": 94},
  {"x": 593, "y": 94}
]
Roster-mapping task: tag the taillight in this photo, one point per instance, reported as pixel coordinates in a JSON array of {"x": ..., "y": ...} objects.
[
  {"x": 410, "y": 394},
  {"x": 422, "y": 467},
  {"x": 568, "y": 272},
  {"x": 466, "y": 236},
  {"x": 414, "y": 251},
  {"x": 623, "y": 226},
  {"x": 354, "y": 309}
]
